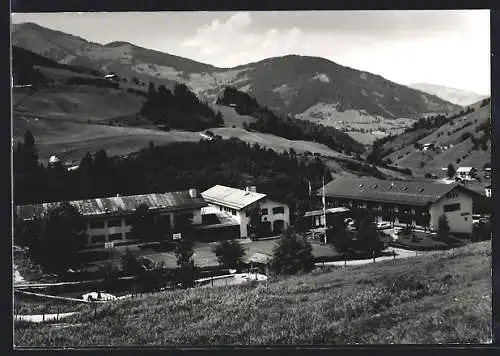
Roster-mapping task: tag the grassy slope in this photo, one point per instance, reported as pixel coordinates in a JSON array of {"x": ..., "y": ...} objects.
[
  {"x": 77, "y": 103},
  {"x": 428, "y": 299},
  {"x": 409, "y": 157},
  {"x": 231, "y": 117}
]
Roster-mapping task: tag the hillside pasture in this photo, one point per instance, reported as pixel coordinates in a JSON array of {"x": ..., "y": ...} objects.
[
  {"x": 434, "y": 299},
  {"x": 231, "y": 117},
  {"x": 461, "y": 154},
  {"x": 361, "y": 126},
  {"x": 70, "y": 140},
  {"x": 78, "y": 103},
  {"x": 277, "y": 143}
]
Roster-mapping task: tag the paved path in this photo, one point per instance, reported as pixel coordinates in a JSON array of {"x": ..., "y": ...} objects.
[
  {"x": 400, "y": 253},
  {"x": 38, "y": 318}
]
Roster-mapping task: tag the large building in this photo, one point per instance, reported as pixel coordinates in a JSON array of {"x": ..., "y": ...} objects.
[
  {"x": 239, "y": 204},
  {"x": 405, "y": 202},
  {"x": 108, "y": 219}
]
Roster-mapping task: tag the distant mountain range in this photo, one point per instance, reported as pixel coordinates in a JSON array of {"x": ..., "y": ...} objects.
[
  {"x": 293, "y": 85},
  {"x": 453, "y": 95}
]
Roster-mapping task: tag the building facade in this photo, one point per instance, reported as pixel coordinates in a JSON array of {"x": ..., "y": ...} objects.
[
  {"x": 109, "y": 219},
  {"x": 487, "y": 191},
  {"x": 405, "y": 202},
  {"x": 466, "y": 173},
  {"x": 239, "y": 204}
]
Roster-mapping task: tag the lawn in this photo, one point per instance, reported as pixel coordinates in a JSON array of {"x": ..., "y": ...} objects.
[
  {"x": 430, "y": 299},
  {"x": 204, "y": 257},
  {"x": 426, "y": 241}
]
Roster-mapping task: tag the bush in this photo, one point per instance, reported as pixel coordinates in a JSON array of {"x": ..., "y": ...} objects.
[
  {"x": 292, "y": 254},
  {"x": 443, "y": 228},
  {"x": 229, "y": 253}
]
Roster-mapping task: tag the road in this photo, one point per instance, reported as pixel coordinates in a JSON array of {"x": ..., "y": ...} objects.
[{"x": 400, "y": 253}]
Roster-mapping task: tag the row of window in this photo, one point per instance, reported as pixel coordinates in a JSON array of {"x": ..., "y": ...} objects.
[
  {"x": 275, "y": 210},
  {"x": 102, "y": 238},
  {"x": 229, "y": 210},
  {"x": 451, "y": 207},
  {"x": 99, "y": 224}
]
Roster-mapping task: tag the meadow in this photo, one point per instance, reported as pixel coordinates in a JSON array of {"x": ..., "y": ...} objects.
[{"x": 427, "y": 299}]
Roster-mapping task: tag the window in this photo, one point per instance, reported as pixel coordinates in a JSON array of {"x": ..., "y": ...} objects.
[
  {"x": 465, "y": 218},
  {"x": 279, "y": 210},
  {"x": 233, "y": 211},
  {"x": 263, "y": 211},
  {"x": 97, "y": 224},
  {"x": 114, "y": 237},
  {"x": 114, "y": 222},
  {"x": 451, "y": 207},
  {"x": 98, "y": 239}
]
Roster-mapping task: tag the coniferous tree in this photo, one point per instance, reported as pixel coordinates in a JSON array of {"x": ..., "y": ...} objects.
[
  {"x": 292, "y": 254},
  {"x": 229, "y": 253}
]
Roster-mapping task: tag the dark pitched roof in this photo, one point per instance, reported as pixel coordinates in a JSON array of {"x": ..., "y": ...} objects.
[
  {"x": 401, "y": 192},
  {"x": 170, "y": 201}
]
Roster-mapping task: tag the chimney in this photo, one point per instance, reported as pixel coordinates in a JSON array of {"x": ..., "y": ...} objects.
[
  {"x": 251, "y": 188},
  {"x": 193, "y": 193}
]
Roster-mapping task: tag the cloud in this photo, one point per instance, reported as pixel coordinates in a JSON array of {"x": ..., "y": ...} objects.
[{"x": 234, "y": 41}]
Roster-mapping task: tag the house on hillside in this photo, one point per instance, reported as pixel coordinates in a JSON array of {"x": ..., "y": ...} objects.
[
  {"x": 418, "y": 203},
  {"x": 109, "y": 219},
  {"x": 487, "y": 191},
  {"x": 466, "y": 173},
  {"x": 112, "y": 76},
  {"x": 239, "y": 204},
  {"x": 427, "y": 146}
]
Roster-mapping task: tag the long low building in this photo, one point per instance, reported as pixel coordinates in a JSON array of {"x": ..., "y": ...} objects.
[
  {"x": 239, "y": 204},
  {"x": 108, "y": 219},
  {"x": 418, "y": 203}
]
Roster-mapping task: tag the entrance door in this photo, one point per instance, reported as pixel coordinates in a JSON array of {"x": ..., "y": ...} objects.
[{"x": 278, "y": 226}]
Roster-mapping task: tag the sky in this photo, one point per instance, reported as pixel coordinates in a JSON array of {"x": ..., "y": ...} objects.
[{"x": 444, "y": 47}]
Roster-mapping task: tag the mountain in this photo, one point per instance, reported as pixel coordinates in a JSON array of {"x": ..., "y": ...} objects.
[
  {"x": 295, "y": 85},
  {"x": 453, "y": 95}
]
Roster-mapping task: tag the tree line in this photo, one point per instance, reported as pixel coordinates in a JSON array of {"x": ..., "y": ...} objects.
[
  {"x": 269, "y": 122},
  {"x": 180, "y": 109},
  {"x": 178, "y": 166}
]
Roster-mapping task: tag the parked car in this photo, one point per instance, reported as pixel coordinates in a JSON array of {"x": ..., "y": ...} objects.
[
  {"x": 382, "y": 225},
  {"x": 350, "y": 223}
]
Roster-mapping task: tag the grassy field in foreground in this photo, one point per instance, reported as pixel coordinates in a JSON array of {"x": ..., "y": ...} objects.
[{"x": 427, "y": 299}]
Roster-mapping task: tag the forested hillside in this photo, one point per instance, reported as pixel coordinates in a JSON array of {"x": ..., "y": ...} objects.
[
  {"x": 178, "y": 166},
  {"x": 269, "y": 122}
]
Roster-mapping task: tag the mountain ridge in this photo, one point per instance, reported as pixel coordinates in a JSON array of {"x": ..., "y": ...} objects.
[
  {"x": 288, "y": 85},
  {"x": 454, "y": 95}
]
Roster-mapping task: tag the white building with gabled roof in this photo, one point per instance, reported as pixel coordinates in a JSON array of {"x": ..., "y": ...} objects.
[
  {"x": 466, "y": 173},
  {"x": 239, "y": 204}
]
